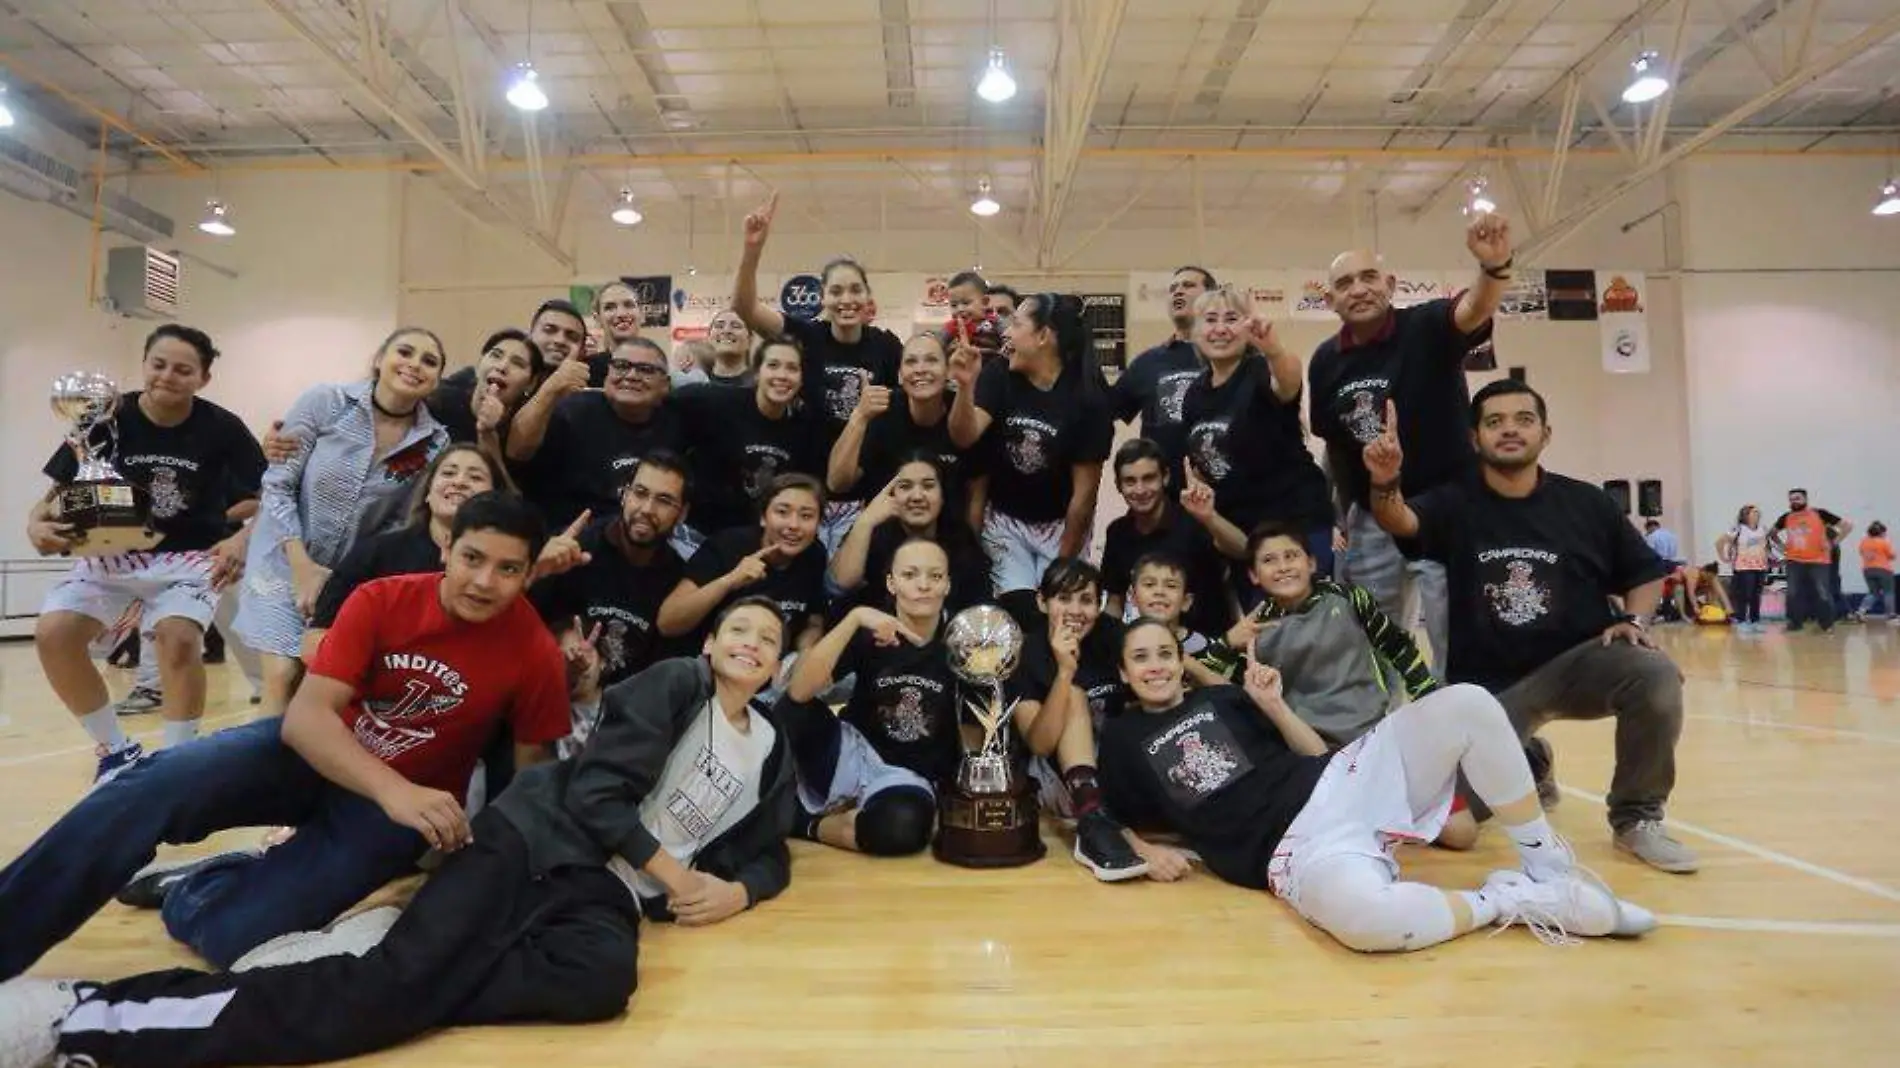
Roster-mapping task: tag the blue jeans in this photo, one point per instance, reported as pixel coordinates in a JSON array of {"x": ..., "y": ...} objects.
[
  {"x": 344, "y": 849},
  {"x": 1373, "y": 561}
]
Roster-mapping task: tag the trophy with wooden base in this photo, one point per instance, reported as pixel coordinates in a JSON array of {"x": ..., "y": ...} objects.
[
  {"x": 987, "y": 817},
  {"x": 108, "y": 515}
]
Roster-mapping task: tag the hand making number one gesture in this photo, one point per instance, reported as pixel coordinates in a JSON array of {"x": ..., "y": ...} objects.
[
  {"x": 1382, "y": 454},
  {"x": 1197, "y": 497},
  {"x": 758, "y": 223}
]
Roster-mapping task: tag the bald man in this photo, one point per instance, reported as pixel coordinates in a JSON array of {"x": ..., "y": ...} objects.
[{"x": 1416, "y": 358}]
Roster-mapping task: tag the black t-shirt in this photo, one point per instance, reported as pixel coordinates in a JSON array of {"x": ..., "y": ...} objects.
[
  {"x": 894, "y": 436},
  {"x": 589, "y": 452},
  {"x": 452, "y": 404},
  {"x": 1154, "y": 387},
  {"x": 798, "y": 587},
  {"x": 1417, "y": 361},
  {"x": 1183, "y": 537},
  {"x": 905, "y": 703},
  {"x": 1216, "y": 771},
  {"x": 1251, "y": 448},
  {"x": 745, "y": 379},
  {"x": 1097, "y": 670},
  {"x": 736, "y": 451},
  {"x": 1037, "y": 437},
  {"x": 834, "y": 370},
  {"x": 621, "y": 597},
  {"x": 188, "y": 474},
  {"x": 1529, "y": 578},
  {"x": 969, "y": 570},
  {"x": 407, "y": 550}
]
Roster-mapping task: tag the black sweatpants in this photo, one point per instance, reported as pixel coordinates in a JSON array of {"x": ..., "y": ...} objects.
[{"x": 484, "y": 942}]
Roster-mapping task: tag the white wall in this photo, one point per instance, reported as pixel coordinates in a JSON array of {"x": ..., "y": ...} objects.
[{"x": 1792, "y": 319}]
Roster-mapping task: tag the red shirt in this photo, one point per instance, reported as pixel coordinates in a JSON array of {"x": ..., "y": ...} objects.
[{"x": 431, "y": 689}]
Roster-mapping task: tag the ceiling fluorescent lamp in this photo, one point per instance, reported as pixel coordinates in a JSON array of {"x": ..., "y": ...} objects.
[
  {"x": 1646, "y": 79},
  {"x": 1889, "y": 198},
  {"x": 1477, "y": 200},
  {"x": 996, "y": 85},
  {"x": 984, "y": 204},
  {"x": 6, "y": 113},
  {"x": 217, "y": 220},
  {"x": 525, "y": 91},
  {"x": 625, "y": 213}
]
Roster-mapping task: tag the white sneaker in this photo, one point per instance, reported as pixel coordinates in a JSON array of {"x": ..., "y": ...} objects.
[
  {"x": 31, "y": 1011},
  {"x": 1559, "y": 910},
  {"x": 353, "y": 935}
]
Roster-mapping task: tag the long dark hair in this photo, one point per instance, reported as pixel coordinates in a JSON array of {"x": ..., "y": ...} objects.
[
  {"x": 419, "y": 515},
  {"x": 953, "y": 525},
  {"x": 1061, "y": 315}
]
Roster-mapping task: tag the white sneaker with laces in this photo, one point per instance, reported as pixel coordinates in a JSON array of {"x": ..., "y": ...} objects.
[
  {"x": 1560, "y": 910},
  {"x": 31, "y": 1011}
]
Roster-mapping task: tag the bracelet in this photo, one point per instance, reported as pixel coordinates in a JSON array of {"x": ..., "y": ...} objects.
[{"x": 1501, "y": 272}]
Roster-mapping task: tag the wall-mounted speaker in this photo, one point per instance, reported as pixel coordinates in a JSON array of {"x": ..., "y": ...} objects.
[
  {"x": 1649, "y": 497},
  {"x": 1619, "y": 491}
]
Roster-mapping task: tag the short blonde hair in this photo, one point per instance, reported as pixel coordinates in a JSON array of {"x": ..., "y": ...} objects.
[{"x": 1225, "y": 297}]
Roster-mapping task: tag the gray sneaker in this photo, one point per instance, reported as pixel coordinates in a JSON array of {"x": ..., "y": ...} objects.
[
  {"x": 1646, "y": 840},
  {"x": 140, "y": 701}
]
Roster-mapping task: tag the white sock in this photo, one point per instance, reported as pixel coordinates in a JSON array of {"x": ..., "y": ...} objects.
[
  {"x": 1544, "y": 854},
  {"x": 103, "y": 725},
  {"x": 180, "y": 731},
  {"x": 1484, "y": 907}
]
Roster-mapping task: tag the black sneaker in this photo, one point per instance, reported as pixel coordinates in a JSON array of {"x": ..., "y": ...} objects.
[
  {"x": 1101, "y": 848},
  {"x": 1543, "y": 761},
  {"x": 148, "y": 888}
]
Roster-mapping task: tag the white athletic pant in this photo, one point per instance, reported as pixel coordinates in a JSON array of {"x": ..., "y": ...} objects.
[
  {"x": 1335, "y": 864},
  {"x": 146, "y": 677}
]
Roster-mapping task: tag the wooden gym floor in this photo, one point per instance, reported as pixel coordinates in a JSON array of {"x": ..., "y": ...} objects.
[{"x": 1784, "y": 950}]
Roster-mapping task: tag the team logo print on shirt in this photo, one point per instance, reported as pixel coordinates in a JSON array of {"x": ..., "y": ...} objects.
[
  {"x": 1171, "y": 394},
  {"x": 706, "y": 794},
  {"x": 905, "y": 720},
  {"x": 1028, "y": 445},
  {"x": 1208, "y": 442},
  {"x": 1365, "y": 422},
  {"x": 167, "y": 496},
  {"x": 847, "y": 386},
  {"x": 1202, "y": 766},
  {"x": 613, "y": 646},
  {"x": 1520, "y": 599},
  {"x": 390, "y": 727},
  {"x": 763, "y": 461}
]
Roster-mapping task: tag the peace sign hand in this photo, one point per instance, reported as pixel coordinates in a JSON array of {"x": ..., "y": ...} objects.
[
  {"x": 758, "y": 224},
  {"x": 581, "y": 649},
  {"x": 1260, "y": 331},
  {"x": 1382, "y": 454}
]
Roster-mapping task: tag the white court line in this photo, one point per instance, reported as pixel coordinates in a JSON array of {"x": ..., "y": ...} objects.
[
  {"x": 1804, "y": 927},
  {"x": 28, "y": 758},
  {"x": 1836, "y": 732},
  {"x": 1866, "y": 886}
]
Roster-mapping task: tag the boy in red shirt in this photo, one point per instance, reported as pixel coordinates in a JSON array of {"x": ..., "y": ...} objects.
[{"x": 369, "y": 763}]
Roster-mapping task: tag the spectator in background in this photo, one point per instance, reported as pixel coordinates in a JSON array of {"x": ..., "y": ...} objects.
[
  {"x": 1001, "y": 300},
  {"x": 1663, "y": 543},
  {"x": 1876, "y": 566},
  {"x": 733, "y": 361},
  {"x": 1807, "y": 538},
  {"x": 1744, "y": 547}
]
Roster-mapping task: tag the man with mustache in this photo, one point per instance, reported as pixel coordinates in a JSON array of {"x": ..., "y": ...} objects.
[
  {"x": 1156, "y": 381},
  {"x": 1532, "y": 560},
  {"x": 1416, "y": 357}
]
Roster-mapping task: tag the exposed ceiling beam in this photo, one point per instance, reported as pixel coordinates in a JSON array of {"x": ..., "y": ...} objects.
[
  {"x": 1085, "y": 39},
  {"x": 1828, "y": 62},
  {"x": 449, "y": 159},
  {"x": 1624, "y": 30}
]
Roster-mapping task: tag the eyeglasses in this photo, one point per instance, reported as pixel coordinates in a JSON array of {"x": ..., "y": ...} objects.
[{"x": 623, "y": 368}]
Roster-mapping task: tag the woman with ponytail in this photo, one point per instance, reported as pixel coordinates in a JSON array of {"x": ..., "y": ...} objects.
[{"x": 1045, "y": 421}]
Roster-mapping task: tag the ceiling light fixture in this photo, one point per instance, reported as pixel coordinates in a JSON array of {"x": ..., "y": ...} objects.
[
  {"x": 1889, "y": 198},
  {"x": 625, "y": 213},
  {"x": 996, "y": 85},
  {"x": 984, "y": 204},
  {"x": 525, "y": 91},
  {"x": 217, "y": 220},
  {"x": 1477, "y": 200},
  {"x": 6, "y": 114},
  {"x": 1647, "y": 81}
]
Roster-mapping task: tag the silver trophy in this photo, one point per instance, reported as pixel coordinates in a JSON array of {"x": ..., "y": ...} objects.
[
  {"x": 107, "y": 513},
  {"x": 987, "y": 817}
]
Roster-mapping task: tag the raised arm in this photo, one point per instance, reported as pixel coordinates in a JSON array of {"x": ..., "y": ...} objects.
[
  {"x": 1263, "y": 685},
  {"x": 690, "y": 603},
  {"x": 1489, "y": 240},
  {"x": 1079, "y": 520},
  {"x": 1197, "y": 500},
  {"x": 846, "y": 463},
  {"x": 1384, "y": 459},
  {"x": 530, "y": 426},
  {"x": 848, "y": 563},
  {"x": 968, "y": 420},
  {"x": 1285, "y": 374},
  {"x": 761, "y": 317}
]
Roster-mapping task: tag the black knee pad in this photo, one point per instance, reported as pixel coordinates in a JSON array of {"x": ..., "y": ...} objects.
[{"x": 896, "y": 822}]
